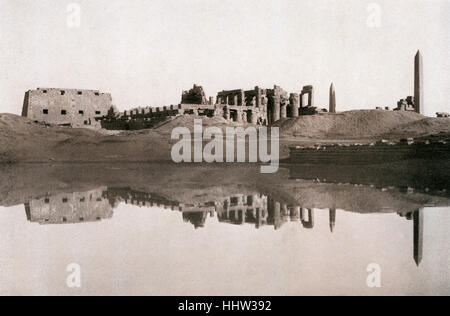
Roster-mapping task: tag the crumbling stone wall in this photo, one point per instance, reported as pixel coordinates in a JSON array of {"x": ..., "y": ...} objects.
[
  {"x": 71, "y": 107},
  {"x": 68, "y": 208},
  {"x": 406, "y": 104},
  {"x": 194, "y": 96}
]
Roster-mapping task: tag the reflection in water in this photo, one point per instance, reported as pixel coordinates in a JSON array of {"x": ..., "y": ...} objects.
[
  {"x": 417, "y": 218},
  {"x": 257, "y": 209},
  {"x": 94, "y": 205},
  {"x": 70, "y": 208},
  {"x": 303, "y": 218}
]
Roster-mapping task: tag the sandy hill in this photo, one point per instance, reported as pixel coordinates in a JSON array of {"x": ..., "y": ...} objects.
[
  {"x": 188, "y": 122},
  {"x": 22, "y": 140},
  {"x": 363, "y": 124}
]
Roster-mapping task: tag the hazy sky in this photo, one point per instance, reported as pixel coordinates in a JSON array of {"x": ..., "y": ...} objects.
[{"x": 147, "y": 52}]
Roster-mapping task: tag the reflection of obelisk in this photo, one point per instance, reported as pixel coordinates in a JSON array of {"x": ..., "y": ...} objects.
[
  {"x": 418, "y": 83},
  {"x": 418, "y": 236},
  {"x": 332, "y": 219},
  {"x": 332, "y": 99}
]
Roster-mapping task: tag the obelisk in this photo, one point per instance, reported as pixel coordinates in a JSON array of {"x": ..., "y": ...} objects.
[
  {"x": 418, "y": 83},
  {"x": 418, "y": 236},
  {"x": 332, "y": 219},
  {"x": 332, "y": 99}
]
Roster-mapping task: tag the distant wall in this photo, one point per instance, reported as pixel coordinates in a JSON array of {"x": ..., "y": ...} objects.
[
  {"x": 76, "y": 108},
  {"x": 69, "y": 208}
]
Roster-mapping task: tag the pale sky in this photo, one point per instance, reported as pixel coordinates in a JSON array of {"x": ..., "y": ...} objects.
[{"x": 147, "y": 52}]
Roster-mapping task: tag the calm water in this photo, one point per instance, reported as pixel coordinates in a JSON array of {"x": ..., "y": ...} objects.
[{"x": 217, "y": 231}]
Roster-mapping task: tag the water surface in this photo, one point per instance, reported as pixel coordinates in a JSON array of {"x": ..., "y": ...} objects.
[{"x": 215, "y": 230}]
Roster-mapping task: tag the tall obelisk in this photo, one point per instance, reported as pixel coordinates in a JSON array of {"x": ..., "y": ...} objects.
[
  {"x": 418, "y": 83},
  {"x": 418, "y": 236},
  {"x": 332, "y": 99},
  {"x": 332, "y": 219}
]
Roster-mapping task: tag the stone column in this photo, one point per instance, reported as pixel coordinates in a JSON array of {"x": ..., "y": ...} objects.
[
  {"x": 211, "y": 100},
  {"x": 235, "y": 100},
  {"x": 254, "y": 118},
  {"x": 276, "y": 108},
  {"x": 239, "y": 116},
  {"x": 277, "y": 216},
  {"x": 332, "y": 99},
  {"x": 283, "y": 111},
  {"x": 294, "y": 103},
  {"x": 295, "y": 214},
  {"x": 242, "y": 97},
  {"x": 226, "y": 113},
  {"x": 311, "y": 97},
  {"x": 258, "y": 96},
  {"x": 418, "y": 83}
]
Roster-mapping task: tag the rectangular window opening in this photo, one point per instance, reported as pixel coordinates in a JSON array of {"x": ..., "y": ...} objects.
[
  {"x": 45, "y": 111},
  {"x": 63, "y": 112},
  {"x": 81, "y": 112},
  {"x": 63, "y": 92}
]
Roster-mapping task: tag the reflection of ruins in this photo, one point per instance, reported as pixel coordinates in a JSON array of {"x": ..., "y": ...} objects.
[
  {"x": 75, "y": 207},
  {"x": 417, "y": 218},
  {"x": 240, "y": 209},
  {"x": 256, "y": 209}
]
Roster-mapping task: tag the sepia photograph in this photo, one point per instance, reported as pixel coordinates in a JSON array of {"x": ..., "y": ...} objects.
[{"x": 229, "y": 155}]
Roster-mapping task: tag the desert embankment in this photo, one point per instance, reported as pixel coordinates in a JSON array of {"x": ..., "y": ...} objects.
[{"x": 22, "y": 140}]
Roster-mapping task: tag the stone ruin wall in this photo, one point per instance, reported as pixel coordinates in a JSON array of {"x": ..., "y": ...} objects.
[
  {"x": 71, "y": 107},
  {"x": 258, "y": 106},
  {"x": 90, "y": 206}
]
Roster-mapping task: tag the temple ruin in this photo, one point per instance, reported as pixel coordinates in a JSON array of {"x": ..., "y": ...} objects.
[
  {"x": 406, "y": 104},
  {"x": 90, "y": 108},
  {"x": 67, "y": 107},
  {"x": 257, "y": 106},
  {"x": 70, "y": 208}
]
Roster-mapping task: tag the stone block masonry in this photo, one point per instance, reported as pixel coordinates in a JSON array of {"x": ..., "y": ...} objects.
[{"x": 67, "y": 107}]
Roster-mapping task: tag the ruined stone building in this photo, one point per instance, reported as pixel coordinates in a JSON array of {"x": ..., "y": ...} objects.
[
  {"x": 70, "y": 208},
  {"x": 257, "y": 106},
  {"x": 406, "y": 104},
  {"x": 194, "y": 96},
  {"x": 84, "y": 108},
  {"x": 67, "y": 107}
]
